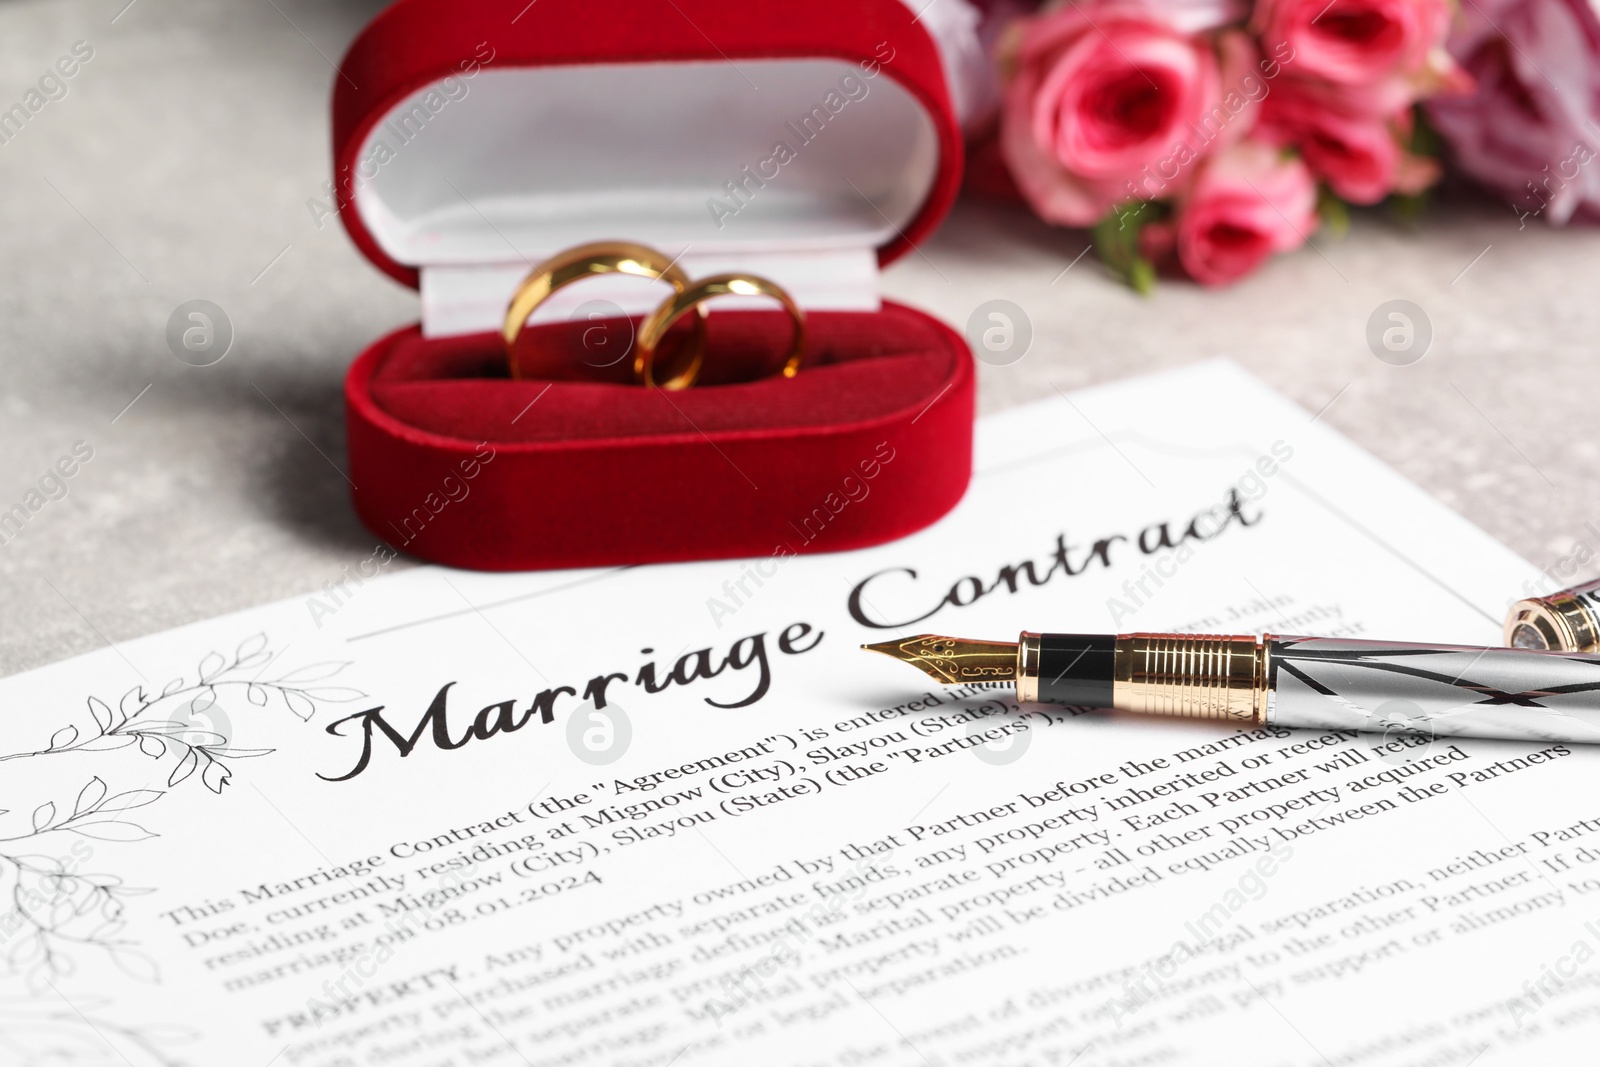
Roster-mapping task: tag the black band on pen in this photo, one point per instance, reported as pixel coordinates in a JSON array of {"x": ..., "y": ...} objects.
[{"x": 1077, "y": 669}]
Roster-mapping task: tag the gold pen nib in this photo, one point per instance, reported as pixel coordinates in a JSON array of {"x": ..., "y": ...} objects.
[{"x": 954, "y": 660}]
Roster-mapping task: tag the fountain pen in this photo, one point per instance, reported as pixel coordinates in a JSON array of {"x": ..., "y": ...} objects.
[{"x": 1300, "y": 682}]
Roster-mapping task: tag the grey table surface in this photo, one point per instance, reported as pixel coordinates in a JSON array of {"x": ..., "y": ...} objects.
[{"x": 179, "y": 164}]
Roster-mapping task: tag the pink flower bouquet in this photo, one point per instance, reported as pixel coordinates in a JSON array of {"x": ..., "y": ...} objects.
[
  {"x": 1204, "y": 136},
  {"x": 1530, "y": 129}
]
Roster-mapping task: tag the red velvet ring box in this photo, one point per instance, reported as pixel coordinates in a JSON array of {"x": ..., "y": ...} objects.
[{"x": 806, "y": 141}]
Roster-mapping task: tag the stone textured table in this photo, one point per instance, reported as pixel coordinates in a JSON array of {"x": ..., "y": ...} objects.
[{"x": 179, "y": 164}]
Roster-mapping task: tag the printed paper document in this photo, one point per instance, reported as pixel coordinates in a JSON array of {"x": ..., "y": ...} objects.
[{"x": 674, "y": 815}]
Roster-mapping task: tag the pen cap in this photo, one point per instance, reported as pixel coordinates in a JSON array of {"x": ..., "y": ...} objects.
[{"x": 1568, "y": 621}]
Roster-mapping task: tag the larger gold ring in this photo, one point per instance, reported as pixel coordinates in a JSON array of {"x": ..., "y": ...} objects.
[
  {"x": 694, "y": 296},
  {"x": 587, "y": 261}
]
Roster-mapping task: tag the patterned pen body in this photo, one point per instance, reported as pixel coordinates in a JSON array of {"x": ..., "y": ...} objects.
[{"x": 1444, "y": 690}]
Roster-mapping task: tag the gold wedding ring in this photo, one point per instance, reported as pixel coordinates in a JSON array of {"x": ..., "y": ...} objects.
[
  {"x": 694, "y": 296},
  {"x": 642, "y": 261},
  {"x": 587, "y": 261}
]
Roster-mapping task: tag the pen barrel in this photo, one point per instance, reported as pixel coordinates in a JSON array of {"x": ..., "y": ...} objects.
[
  {"x": 1191, "y": 677},
  {"x": 1438, "y": 690}
]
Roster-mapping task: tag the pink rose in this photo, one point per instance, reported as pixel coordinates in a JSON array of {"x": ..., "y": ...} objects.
[
  {"x": 1357, "y": 155},
  {"x": 1248, "y": 203},
  {"x": 1392, "y": 50},
  {"x": 1100, "y": 93},
  {"x": 1190, "y": 15},
  {"x": 1532, "y": 129}
]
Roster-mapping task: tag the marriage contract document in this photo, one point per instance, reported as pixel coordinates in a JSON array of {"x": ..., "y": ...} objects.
[{"x": 673, "y": 815}]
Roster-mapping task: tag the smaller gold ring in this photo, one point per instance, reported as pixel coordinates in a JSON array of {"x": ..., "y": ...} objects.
[
  {"x": 587, "y": 261},
  {"x": 654, "y": 328}
]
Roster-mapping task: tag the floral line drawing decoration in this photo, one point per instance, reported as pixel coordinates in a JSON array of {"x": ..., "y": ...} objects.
[
  {"x": 54, "y": 1030},
  {"x": 130, "y": 722},
  {"x": 51, "y": 910}
]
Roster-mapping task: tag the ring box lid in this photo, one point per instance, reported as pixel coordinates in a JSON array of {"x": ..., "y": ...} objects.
[{"x": 474, "y": 139}]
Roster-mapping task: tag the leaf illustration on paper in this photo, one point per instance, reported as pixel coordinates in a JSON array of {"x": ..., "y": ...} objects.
[
  {"x": 23, "y": 951},
  {"x": 43, "y": 1030},
  {"x": 133, "y": 700},
  {"x": 315, "y": 672},
  {"x": 185, "y": 767},
  {"x": 50, "y": 911},
  {"x": 252, "y": 652},
  {"x": 211, "y": 665},
  {"x": 102, "y": 714},
  {"x": 334, "y": 694},
  {"x": 112, "y": 830},
  {"x": 106, "y": 743},
  {"x": 199, "y": 738},
  {"x": 90, "y": 797},
  {"x": 300, "y": 704},
  {"x": 136, "y": 964},
  {"x": 215, "y": 776},
  {"x": 134, "y": 798}
]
